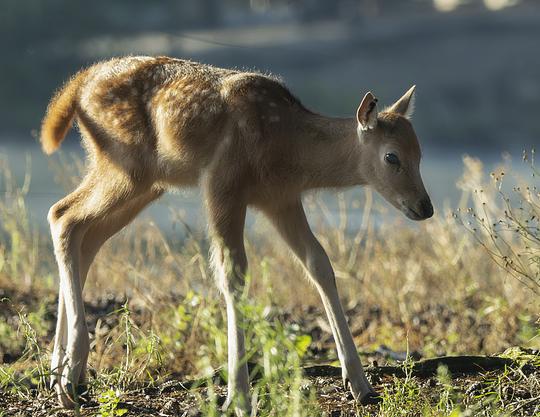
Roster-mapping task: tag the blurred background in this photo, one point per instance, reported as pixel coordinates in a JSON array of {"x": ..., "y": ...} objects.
[{"x": 476, "y": 64}]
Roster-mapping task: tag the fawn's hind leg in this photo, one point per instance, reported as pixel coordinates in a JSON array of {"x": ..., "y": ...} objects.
[
  {"x": 94, "y": 238},
  {"x": 95, "y": 201}
]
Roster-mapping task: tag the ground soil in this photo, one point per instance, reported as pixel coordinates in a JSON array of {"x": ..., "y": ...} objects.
[{"x": 178, "y": 396}]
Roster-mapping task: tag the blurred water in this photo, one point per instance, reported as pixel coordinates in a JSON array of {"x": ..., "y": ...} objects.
[
  {"x": 476, "y": 72},
  {"x": 440, "y": 170},
  {"x": 478, "y": 86}
]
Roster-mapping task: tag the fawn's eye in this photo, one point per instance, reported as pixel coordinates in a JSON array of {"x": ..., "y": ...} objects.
[{"x": 391, "y": 158}]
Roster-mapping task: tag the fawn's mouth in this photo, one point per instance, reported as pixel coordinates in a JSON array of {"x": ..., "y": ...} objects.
[
  {"x": 423, "y": 210},
  {"x": 411, "y": 214}
]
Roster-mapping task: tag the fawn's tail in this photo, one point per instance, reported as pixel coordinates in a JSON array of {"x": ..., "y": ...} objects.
[{"x": 60, "y": 114}]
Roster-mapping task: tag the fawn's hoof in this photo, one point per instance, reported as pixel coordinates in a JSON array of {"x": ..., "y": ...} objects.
[
  {"x": 70, "y": 396},
  {"x": 239, "y": 411},
  {"x": 371, "y": 398},
  {"x": 355, "y": 388}
]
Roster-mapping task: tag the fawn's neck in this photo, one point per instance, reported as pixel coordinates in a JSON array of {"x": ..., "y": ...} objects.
[{"x": 331, "y": 153}]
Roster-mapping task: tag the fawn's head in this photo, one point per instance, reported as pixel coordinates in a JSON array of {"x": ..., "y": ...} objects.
[{"x": 391, "y": 155}]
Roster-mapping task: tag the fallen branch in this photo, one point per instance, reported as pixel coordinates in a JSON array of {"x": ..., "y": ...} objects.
[
  {"x": 422, "y": 369},
  {"x": 426, "y": 367}
]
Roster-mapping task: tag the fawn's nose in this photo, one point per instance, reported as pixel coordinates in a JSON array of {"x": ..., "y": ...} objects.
[{"x": 425, "y": 208}]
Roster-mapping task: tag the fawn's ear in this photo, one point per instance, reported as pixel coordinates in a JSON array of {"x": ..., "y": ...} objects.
[
  {"x": 367, "y": 112},
  {"x": 405, "y": 105}
]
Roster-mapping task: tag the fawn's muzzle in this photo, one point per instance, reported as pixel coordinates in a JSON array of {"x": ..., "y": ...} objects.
[{"x": 421, "y": 211}]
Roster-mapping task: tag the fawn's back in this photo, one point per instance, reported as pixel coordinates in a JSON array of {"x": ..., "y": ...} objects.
[{"x": 167, "y": 119}]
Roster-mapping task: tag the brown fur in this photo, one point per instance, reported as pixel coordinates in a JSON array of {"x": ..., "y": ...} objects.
[
  {"x": 153, "y": 123},
  {"x": 60, "y": 113}
]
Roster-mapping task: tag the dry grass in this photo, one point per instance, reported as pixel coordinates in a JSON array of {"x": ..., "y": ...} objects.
[{"x": 435, "y": 288}]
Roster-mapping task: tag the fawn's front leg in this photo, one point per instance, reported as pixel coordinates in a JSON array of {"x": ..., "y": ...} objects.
[
  {"x": 226, "y": 218},
  {"x": 292, "y": 225}
]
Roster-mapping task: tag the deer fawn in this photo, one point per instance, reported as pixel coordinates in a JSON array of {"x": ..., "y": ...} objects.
[{"x": 153, "y": 123}]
